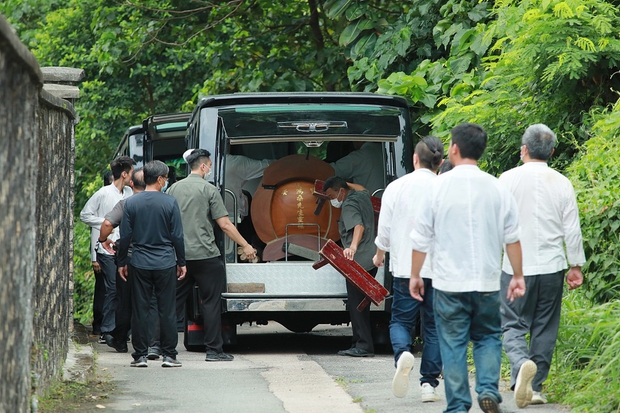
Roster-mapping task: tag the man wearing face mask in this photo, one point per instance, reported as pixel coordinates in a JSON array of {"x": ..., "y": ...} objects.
[
  {"x": 357, "y": 233},
  {"x": 201, "y": 204}
]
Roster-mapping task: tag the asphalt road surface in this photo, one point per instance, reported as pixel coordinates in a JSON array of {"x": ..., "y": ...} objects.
[{"x": 274, "y": 371}]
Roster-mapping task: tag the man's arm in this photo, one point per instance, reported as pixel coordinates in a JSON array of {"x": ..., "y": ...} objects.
[
  {"x": 416, "y": 283},
  {"x": 106, "y": 230},
  {"x": 378, "y": 258},
  {"x": 516, "y": 288},
  {"x": 358, "y": 232},
  {"x": 232, "y": 232},
  {"x": 90, "y": 210},
  {"x": 384, "y": 227}
]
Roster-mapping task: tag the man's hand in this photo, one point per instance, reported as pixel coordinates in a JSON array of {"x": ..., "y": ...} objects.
[
  {"x": 378, "y": 259},
  {"x": 108, "y": 245},
  {"x": 96, "y": 267},
  {"x": 516, "y": 288},
  {"x": 181, "y": 271},
  {"x": 349, "y": 253},
  {"x": 416, "y": 288},
  {"x": 249, "y": 252},
  {"x": 574, "y": 278},
  {"x": 122, "y": 271}
]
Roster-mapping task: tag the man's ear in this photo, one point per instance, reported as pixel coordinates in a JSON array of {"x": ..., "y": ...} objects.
[{"x": 454, "y": 149}]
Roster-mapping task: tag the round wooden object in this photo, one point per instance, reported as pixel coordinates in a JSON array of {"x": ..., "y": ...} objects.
[{"x": 285, "y": 201}]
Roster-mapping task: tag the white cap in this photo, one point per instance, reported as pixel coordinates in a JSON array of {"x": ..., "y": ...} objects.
[{"x": 187, "y": 153}]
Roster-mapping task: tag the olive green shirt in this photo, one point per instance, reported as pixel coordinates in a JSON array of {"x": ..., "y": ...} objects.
[
  {"x": 201, "y": 204},
  {"x": 357, "y": 210}
]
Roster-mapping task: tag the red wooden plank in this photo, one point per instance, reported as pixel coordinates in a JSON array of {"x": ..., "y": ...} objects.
[{"x": 353, "y": 272}]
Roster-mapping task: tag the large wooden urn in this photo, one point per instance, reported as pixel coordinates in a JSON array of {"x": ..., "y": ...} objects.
[{"x": 283, "y": 207}]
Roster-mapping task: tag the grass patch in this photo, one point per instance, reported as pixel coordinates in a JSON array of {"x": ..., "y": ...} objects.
[
  {"x": 341, "y": 381},
  {"x": 585, "y": 373},
  {"x": 67, "y": 397}
]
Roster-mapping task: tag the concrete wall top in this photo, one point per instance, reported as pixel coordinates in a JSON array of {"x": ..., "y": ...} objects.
[{"x": 20, "y": 51}]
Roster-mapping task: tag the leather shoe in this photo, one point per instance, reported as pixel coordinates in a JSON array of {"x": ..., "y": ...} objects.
[
  {"x": 116, "y": 345},
  {"x": 356, "y": 352}
]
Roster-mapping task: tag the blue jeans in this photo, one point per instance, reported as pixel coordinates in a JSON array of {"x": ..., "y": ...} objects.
[
  {"x": 405, "y": 310},
  {"x": 461, "y": 318}
]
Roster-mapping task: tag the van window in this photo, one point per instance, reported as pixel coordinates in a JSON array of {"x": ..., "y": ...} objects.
[{"x": 308, "y": 122}]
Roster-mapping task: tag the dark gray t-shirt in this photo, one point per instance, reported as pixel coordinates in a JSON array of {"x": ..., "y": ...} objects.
[
  {"x": 152, "y": 221},
  {"x": 357, "y": 210},
  {"x": 115, "y": 216}
]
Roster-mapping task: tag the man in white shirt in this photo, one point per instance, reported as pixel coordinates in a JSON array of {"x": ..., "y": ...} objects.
[
  {"x": 398, "y": 205},
  {"x": 549, "y": 220},
  {"x": 465, "y": 219},
  {"x": 93, "y": 215}
]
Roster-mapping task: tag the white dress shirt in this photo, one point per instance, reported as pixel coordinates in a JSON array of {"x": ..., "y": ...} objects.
[
  {"x": 97, "y": 207},
  {"x": 465, "y": 219},
  {"x": 398, "y": 205},
  {"x": 549, "y": 218}
]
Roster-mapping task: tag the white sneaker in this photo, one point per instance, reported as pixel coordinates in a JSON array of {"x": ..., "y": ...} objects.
[
  {"x": 428, "y": 393},
  {"x": 400, "y": 383},
  {"x": 538, "y": 398},
  {"x": 523, "y": 386}
]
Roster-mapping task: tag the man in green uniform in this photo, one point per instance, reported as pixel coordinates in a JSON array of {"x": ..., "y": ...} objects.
[
  {"x": 357, "y": 233},
  {"x": 201, "y": 205}
]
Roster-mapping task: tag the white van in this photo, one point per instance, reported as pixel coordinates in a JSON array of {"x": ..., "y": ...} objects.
[{"x": 300, "y": 136}]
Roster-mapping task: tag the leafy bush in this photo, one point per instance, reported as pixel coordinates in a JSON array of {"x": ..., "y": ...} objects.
[
  {"x": 83, "y": 276},
  {"x": 585, "y": 370},
  {"x": 596, "y": 177}
]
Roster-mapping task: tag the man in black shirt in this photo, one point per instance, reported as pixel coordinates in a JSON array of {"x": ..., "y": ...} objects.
[{"x": 152, "y": 222}]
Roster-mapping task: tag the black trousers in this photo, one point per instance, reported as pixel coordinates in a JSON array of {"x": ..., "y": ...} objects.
[
  {"x": 360, "y": 320},
  {"x": 109, "y": 273},
  {"x": 123, "y": 311},
  {"x": 98, "y": 297},
  {"x": 123, "y": 307},
  {"x": 143, "y": 284},
  {"x": 210, "y": 277}
]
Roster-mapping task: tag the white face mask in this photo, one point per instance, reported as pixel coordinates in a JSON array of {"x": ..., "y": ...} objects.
[
  {"x": 207, "y": 175},
  {"x": 335, "y": 203}
]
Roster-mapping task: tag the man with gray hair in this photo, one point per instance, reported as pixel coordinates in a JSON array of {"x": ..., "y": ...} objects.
[
  {"x": 152, "y": 223},
  {"x": 549, "y": 221}
]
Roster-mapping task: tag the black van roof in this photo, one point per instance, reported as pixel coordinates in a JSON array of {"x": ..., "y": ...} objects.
[{"x": 301, "y": 97}]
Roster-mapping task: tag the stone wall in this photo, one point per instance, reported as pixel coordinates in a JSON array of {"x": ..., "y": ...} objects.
[{"x": 36, "y": 227}]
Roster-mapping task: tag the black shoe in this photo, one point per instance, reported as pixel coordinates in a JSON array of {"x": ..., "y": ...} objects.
[
  {"x": 101, "y": 339},
  {"x": 356, "y": 352},
  {"x": 344, "y": 352},
  {"x": 215, "y": 356},
  {"x": 154, "y": 353},
  {"x": 489, "y": 405},
  {"x": 139, "y": 362},
  {"x": 171, "y": 361},
  {"x": 116, "y": 345}
]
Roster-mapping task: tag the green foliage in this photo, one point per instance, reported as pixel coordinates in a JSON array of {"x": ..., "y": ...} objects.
[
  {"x": 585, "y": 371},
  {"x": 83, "y": 275},
  {"x": 527, "y": 80},
  {"x": 596, "y": 177}
]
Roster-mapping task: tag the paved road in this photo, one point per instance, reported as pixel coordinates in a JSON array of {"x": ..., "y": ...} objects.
[{"x": 274, "y": 371}]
